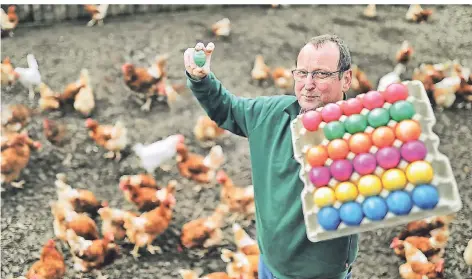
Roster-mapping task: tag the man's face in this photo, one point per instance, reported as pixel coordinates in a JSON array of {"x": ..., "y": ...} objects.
[{"x": 312, "y": 93}]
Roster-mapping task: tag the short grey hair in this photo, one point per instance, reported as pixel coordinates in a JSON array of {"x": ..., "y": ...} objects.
[{"x": 344, "y": 62}]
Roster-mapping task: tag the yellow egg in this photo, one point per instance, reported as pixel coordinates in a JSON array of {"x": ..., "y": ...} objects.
[
  {"x": 324, "y": 196},
  {"x": 419, "y": 172},
  {"x": 394, "y": 179},
  {"x": 346, "y": 191},
  {"x": 369, "y": 185}
]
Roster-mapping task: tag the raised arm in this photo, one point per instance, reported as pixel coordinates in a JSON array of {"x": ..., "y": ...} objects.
[{"x": 235, "y": 114}]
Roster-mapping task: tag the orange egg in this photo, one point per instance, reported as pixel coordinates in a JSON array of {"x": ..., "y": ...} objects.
[
  {"x": 317, "y": 156},
  {"x": 338, "y": 149},
  {"x": 383, "y": 136},
  {"x": 408, "y": 130},
  {"x": 360, "y": 143}
]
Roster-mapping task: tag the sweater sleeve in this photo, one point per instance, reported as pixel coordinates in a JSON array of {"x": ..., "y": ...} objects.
[{"x": 235, "y": 114}]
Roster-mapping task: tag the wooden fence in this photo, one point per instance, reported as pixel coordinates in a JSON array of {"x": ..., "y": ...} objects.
[{"x": 41, "y": 14}]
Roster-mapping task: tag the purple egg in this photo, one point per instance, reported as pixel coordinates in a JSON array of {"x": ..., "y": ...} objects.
[
  {"x": 320, "y": 176},
  {"x": 388, "y": 157},
  {"x": 341, "y": 170},
  {"x": 365, "y": 163},
  {"x": 414, "y": 150}
]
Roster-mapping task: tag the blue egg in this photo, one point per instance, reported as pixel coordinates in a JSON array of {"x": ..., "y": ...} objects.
[
  {"x": 425, "y": 196},
  {"x": 375, "y": 208},
  {"x": 328, "y": 218},
  {"x": 399, "y": 202},
  {"x": 351, "y": 213}
]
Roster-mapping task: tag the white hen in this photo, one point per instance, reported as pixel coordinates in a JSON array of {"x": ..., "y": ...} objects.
[
  {"x": 392, "y": 77},
  {"x": 29, "y": 77},
  {"x": 155, "y": 154}
]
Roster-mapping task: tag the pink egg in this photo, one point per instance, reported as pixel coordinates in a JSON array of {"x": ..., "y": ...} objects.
[
  {"x": 341, "y": 170},
  {"x": 311, "y": 120},
  {"x": 395, "y": 92},
  {"x": 320, "y": 176},
  {"x": 388, "y": 157},
  {"x": 373, "y": 99},
  {"x": 331, "y": 112},
  {"x": 352, "y": 106},
  {"x": 365, "y": 163}
]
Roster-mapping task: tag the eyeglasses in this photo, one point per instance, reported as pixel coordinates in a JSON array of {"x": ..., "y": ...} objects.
[{"x": 322, "y": 76}]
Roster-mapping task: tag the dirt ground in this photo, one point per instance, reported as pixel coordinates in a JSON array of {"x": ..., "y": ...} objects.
[{"x": 63, "y": 49}]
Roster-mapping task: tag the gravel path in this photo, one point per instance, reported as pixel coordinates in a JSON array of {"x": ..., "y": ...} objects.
[{"x": 62, "y": 50}]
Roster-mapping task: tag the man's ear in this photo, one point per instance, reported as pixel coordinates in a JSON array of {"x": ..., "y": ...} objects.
[{"x": 346, "y": 80}]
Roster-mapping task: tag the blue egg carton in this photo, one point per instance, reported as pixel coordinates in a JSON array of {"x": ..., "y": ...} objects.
[{"x": 443, "y": 179}]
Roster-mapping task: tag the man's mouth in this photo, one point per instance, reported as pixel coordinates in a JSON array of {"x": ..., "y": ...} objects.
[{"x": 311, "y": 97}]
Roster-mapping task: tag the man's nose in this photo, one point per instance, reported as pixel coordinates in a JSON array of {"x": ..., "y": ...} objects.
[{"x": 309, "y": 83}]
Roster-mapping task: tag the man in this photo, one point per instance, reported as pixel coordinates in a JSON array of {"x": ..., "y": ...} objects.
[{"x": 322, "y": 76}]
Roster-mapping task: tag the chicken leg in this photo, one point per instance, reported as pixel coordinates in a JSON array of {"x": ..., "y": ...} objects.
[
  {"x": 147, "y": 105},
  {"x": 31, "y": 92},
  {"x": 18, "y": 185},
  {"x": 152, "y": 249},
  {"x": 135, "y": 252},
  {"x": 91, "y": 23},
  {"x": 99, "y": 274}
]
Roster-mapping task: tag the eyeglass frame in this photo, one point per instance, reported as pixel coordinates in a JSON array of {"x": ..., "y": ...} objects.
[{"x": 330, "y": 74}]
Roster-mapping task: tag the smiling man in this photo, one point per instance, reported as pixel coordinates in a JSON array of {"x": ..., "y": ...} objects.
[{"x": 322, "y": 76}]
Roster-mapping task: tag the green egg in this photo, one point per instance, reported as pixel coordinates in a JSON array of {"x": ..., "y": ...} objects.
[
  {"x": 355, "y": 123},
  {"x": 402, "y": 110},
  {"x": 334, "y": 130},
  {"x": 378, "y": 117},
  {"x": 199, "y": 57}
]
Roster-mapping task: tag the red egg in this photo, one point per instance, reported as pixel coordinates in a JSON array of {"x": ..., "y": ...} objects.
[
  {"x": 373, "y": 99},
  {"x": 331, "y": 112},
  {"x": 352, "y": 106},
  {"x": 395, "y": 92},
  {"x": 311, "y": 120}
]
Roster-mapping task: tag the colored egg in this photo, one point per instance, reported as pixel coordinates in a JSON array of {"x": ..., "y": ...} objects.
[
  {"x": 311, "y": 120},
  {"x": 408, "y": 130},
  {"x": 360, "y": 143},
  {"x": 383, "y": 136},
  {"x": 364, "y": 163},
  {"x": 425, "y": 196},
  {"x": 346, "y": 191},
  {"x": 341, "y": 170},
  {"x": 320, "y": 176},
  {"x": 402, "y": 110},
  {"x": 395, "y": 92},
  {"x": 388, "y": 157},
  {"x": 317, "y": 156},
  {"x": 199, "y": 57},
  {"x": 378, "y": 117},
  {"x": 373, "y": 99},
  {"x": 369, "y": 185},
  {"x": 399, "y": 202},
  {"x": 355, "y": 123},
  {"x": 331, "y": 112},
  {"x": 328, "y": 218},
  {"x": 352, "y": 106},
  {"x": 394, "y": 179},
  {"x": 351, "y": 213},
  {"x": 338, "y": 149},
  {"x": 374, "y": 208},
  {"x": 334, "y": 130},
  {"x": 324, "y": 196},
  {"x": 414, "y": 150},
  {"x": 419, "y": 172}
]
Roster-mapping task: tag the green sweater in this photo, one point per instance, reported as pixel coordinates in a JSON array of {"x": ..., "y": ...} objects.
[{"x": 281, "y": 231}]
